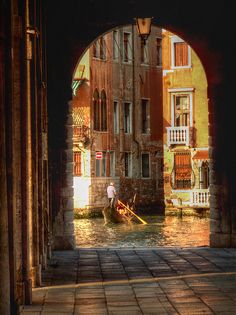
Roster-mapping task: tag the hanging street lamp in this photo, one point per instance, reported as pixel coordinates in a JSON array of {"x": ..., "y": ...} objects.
[{"x": 144, "y": 28}]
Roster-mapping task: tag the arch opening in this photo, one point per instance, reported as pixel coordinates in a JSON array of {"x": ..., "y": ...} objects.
[{"x": 148, "y": 117}]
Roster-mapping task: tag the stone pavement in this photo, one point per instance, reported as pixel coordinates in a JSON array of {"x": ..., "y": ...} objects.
[{"x": 137, "y": 281}]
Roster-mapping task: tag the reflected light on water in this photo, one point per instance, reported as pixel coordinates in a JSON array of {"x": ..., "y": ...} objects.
[{"x": 160, "y": 231}]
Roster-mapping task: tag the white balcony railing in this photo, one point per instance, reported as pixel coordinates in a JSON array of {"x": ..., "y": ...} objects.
[
  {"x": 200, "y": 197},
  {"x": 178, "y": 135}
]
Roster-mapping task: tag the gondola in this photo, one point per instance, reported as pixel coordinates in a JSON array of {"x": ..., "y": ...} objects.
[{"x": 122, "y": 213}]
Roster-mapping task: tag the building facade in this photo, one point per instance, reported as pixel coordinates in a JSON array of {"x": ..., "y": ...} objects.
[
  {"x": 185, "y": 126},
  {"x": 125, "y": 92},
  {"x": 121, "y": 137}
]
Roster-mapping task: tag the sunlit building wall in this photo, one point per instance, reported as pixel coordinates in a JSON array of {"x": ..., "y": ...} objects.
[
  {"x": 185, "y": 125},
  {"x": 124, "y": 124}
]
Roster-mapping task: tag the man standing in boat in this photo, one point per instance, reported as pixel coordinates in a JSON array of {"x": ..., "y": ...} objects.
[{"x": 111, "y": 194}]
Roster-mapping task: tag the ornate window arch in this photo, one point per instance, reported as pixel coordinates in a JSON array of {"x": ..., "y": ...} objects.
[
  {"x": 103, "y": 111},
  {"x": 204, "y": 175},
  {"x": 96, "y": 110}
]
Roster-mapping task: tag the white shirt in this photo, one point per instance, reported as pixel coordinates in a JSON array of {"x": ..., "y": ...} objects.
[{"x": 111, "y": 191}]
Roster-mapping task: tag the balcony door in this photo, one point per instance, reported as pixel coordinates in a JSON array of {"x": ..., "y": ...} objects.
[
  {"x": 181, "y": 107},
  {"x": 182, "y": 110}
]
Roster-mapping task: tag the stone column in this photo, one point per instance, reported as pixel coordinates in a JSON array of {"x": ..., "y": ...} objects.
[
  {"x": 221, "y": 206},
  {"x": 4, "y": 254},
  {"x": 26, "y": 165},
  {"x": 64, "y": 225}
]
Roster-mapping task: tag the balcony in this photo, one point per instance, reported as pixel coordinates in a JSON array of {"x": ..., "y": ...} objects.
[
  {"x": 179, "y": 135},
  {"x": 199, "y": 197}
]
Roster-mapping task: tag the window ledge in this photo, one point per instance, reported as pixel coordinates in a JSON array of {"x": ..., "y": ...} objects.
[{"x": 181, "y": 67}]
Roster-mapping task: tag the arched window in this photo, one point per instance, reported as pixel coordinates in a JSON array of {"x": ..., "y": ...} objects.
[
  {"x": 204, "y": 175},
  {"x": 103, "y": 111},
  {"x": 96, "y": 111}
]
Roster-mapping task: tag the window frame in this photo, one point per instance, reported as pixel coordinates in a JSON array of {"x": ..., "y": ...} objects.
[
  {"x": 112, "y": 164},
  {"x": 103, "y": 113},
  {"x": 116, "y": 117},
  {"x": 127, "y": 122},
  {"x": 159, "y": 54},
  {"x": 175, "y": 39},
  {"x": 204, "y": 175},
  {"x": 100, "y": 165},
  {"x": 102, "y": 48},
  {"x": 128, "y": 162},
  {"x": 181, "y": 91},
  {"x": 144, "y": 53},
  {"x": 96, "y": 49},
  {"x": 149, "y": 165},
  {"x": 115, "y": 46},
  {"x": 147, "y": 102},
  {"x": 96, "y": 110},
  {"x": 176, "y": 182},
  {"x": 129, "y": 48},
  {"x": 77, "y": 164}
]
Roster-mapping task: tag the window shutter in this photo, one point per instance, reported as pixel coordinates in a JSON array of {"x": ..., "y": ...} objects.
[
  {"x": 181, "y": 54},
  {"x": 77, "y": 164},
  {"x": 183, "y": 168}
]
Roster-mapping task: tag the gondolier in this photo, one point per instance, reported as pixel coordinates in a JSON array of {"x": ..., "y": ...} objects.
[{"x": 111, "y": 194}]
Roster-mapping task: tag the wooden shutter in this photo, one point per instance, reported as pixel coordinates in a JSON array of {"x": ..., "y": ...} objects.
[
  {"x": 77, "y": 164},
  {"x": 181, "y": 54},
  {"x": 183, "y": 169}
]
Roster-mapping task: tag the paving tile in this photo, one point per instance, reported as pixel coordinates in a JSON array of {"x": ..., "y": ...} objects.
[
  {"x": 124, "y": 312},
  {"x": 140, "y": 281},
  {"x": 154, "y": 311},
  {"x": 30, "y": 313}
]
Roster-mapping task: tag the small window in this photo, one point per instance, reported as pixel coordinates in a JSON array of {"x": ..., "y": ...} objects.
[
  {"x": 112, "y": 163},
  {"x": 182, "y": 171},
  {"x": 101, "y": 166},
  {"x": 127, "y": 52},
  {"x": 204, "y": 175},
  {"x": 144, "y": 53},
  {"x": 127, "y": 159},
  {"x": 182, "y": 109},
  {"x": 96, "y": 110},
  {"x": 127, "y": 117},
  {"x": 144, "y": 113},
  {"x": 145, "y": 165},
  {"x": 116, "y": 117},
  {"x": 77, "y": 164},
  {"x": 115, "y": 46},
  {"x": 159, "y": 52},
  {"x": 96, "y": 49},
  {"x": 99, "y": 48},
  {"x": 102, "y": 43},
  {"x": 181, "y": 54},
  {"x": 100, "y": 111},
  {"x": 103, "y": 111}
]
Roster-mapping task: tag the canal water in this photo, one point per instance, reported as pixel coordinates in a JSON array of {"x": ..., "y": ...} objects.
[{"x": 186, "y": 231}]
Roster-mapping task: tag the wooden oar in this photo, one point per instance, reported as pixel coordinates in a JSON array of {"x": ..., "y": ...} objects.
[{"x": 120, "y": 202}]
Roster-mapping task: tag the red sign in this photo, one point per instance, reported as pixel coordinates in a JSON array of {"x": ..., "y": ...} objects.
[{"x": 98, "y": 155}]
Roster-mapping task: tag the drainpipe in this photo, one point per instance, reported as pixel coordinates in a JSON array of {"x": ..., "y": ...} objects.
[
  {"x": 121, "y": 104},
  {"x": 134, "y": 111},
  {"x": 134, "y": 93}
]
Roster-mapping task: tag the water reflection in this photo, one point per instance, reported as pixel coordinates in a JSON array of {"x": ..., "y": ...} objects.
[{"x": 160, "y": 231}]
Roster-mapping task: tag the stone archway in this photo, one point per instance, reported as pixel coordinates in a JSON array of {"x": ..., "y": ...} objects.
[{"x": 213, "y": 55}]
